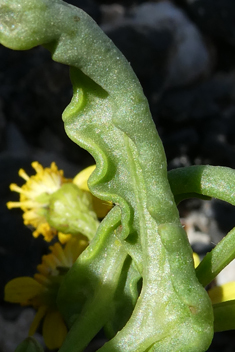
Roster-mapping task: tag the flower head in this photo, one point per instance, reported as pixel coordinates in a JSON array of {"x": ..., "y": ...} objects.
[
  {"x": 41, "y": 291},
  {"x": 48, "y": 192},
  {"x": 34, "y": 197}
]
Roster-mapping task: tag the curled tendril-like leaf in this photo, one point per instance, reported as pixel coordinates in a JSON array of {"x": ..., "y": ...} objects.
[
  {"x": 109, "y": 116},
  {"x": 208, "y": 181},
  {"x": 203, "y": 181}
]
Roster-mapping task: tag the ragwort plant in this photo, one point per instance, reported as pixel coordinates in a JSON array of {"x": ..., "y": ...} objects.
[{"x": 136, "y": 278}]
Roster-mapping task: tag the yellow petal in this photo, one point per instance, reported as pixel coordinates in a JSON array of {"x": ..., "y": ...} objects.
[
  {"x": 58, "y": 253},
  {"x": 81, "y": 179},
  {"x": 101, "y": 207},
  {"x": 22, "y": 289},
  {"x": 37, "y": 167},
  {"x": 74, "y": 248},
  {"x": 42, "y": 279},
  {"x": 196, "y": 259},
  {"x": 44, "y": 229},
  {"x": 37, "y": 319},
  {"x": 23, "y": 174},
  {"x": 54, "y": 330},
  {"x": 11, "y": 205},
  {"x": 222, "y": 293},
  {"x": 63, "y": 238}
]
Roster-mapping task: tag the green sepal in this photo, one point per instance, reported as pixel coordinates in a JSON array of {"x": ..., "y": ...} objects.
[
  {"x": 217, "y": 259},
  {"x": 70, "y": 211}
]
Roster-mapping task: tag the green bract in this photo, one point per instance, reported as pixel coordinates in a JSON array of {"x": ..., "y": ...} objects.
[{"x": 136, "y": 279}]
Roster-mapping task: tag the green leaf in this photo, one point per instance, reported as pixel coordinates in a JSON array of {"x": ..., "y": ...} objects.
[
  {"x": 92, "y": 283},
  {"x": 109, "y": 116},
  {"x": 203, "y": 181},
  {"x": 125, "y": 297}
]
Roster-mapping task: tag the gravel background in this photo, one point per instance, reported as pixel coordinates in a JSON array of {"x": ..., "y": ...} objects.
[{"x": 183, "y": 53}]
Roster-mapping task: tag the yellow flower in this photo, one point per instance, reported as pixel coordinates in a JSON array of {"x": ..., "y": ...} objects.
[
  {"x": 36, "y": 193},
  {"x": 34, "y": 197},
  {"x": 41, "y": 291}
]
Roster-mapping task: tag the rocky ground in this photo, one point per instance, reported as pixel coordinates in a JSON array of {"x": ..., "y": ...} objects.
[{"x": 183, "y": 53}]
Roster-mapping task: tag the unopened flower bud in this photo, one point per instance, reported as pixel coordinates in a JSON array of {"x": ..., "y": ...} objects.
[{"x": 70, "y": 211}]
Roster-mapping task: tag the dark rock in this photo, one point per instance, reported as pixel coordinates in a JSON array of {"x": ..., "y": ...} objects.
[
  {"x": 204, "y": 100},
  {"x": 223, "y": 341},
  {"x": 126, "y": 3},
  {"x": 215, "y": 17},
  {"x": 111, "y": 13},
  {"x": 35, "y": 90},
  {"x": 89, "y": 6},
  {"x": 224, "y": 213},
  {"x": 2, "y": 126},
  {"x": 180, "y": 142},
  {"x": 177, "y": 161},
  {"x": 160, "y": 42},
  {"x": 154, "y": 45},
  {"x": 15, "y": 142},
  {"x": 33, "y": 83},
  {"x": 214, "y": 144}
]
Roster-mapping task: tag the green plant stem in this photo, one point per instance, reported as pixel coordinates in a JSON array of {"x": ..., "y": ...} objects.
[
  {"x": 93, "y": 281},
  {"x": 203, "y": 180},
  {"x": 217, "y": 259}
]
